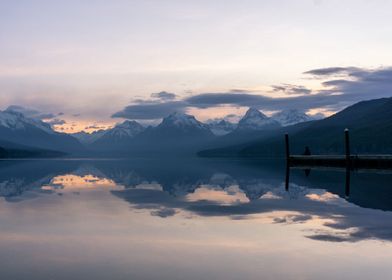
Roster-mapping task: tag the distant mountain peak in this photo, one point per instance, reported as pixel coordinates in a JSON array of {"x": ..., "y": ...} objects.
[
  {"x": 290, "y": 117},
  {"x": 221, "y": 127},
  {"x": 254, "y": 113},
  {"x": 129, "y": 124},
  {"x": 16, "y": 120},
  {"x": 88, "y": 138},
  {"x": 121, "y": 134},
  {"x": 18, "y": 128},
  {"x": 256, "y": 120},
  {"x": 179, "y": 119},
  {"x": 126, "y": 129}
]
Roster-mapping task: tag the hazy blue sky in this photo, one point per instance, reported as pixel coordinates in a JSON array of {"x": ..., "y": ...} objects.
[{"x": 90, "y": 59}]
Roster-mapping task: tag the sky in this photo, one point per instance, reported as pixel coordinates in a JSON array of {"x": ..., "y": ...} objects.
[{"x": 92, "y": 63}]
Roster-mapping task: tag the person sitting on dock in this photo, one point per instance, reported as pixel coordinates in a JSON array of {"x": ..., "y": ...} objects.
[{"x": 307, "y": 151}]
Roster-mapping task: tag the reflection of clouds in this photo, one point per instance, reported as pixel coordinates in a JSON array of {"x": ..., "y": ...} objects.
[
  {"x": 325, "y": 196},
  {"x": 208, "y": 193},
  {"x": 270, "y": 195},
  {"x": 164, "y": 212},
  {"x": 338, "y": 219},
  {"x": 71, "y": 181},
  {"x": 149, "y": 186},
  {"x": 289, "y": 219},
  {"x": 15, "y": 189},
  {"x": 227, "y": 196},
  {"x": 11, "y": 187}
]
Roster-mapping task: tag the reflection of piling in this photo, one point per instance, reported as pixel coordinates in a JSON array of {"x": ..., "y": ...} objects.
[
  {"x": 287, "y": 181},
  {"x": 286, "y": 139},
  {"x": 347, "y": 185}
]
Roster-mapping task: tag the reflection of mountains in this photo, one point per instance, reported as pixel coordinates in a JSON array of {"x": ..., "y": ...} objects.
[
  {"x": 175, "y": 177},
  {"x": 217, "y": 188},
  {"x": 18, "y": 177},
  {"x": 180, "y": 177}
]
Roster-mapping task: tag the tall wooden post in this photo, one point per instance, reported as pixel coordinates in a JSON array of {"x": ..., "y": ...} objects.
[
  {"x": 347, "y": 147},
  {"x": 348, "y": 161},
  {"x": 287, "y": 181}
]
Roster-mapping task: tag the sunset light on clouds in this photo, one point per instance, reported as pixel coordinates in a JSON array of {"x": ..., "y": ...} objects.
[{"x": 91, "y": 59}]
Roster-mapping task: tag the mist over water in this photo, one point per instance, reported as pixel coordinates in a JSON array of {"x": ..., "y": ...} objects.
[{"x": 191, "y": 219}]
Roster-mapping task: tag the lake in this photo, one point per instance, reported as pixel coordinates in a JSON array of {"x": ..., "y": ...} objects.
[{"x": 191, "y": 219}]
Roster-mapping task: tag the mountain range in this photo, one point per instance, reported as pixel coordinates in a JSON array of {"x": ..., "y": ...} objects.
[
  {"x": 178, "y": 132},
  {"x": 254, "y": 135},
  {"x": 369, "y": 123},
  {"x": 19, "y": 132}
]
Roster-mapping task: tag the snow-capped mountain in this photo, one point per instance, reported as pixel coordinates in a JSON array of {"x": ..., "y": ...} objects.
[
  {"x": 88, "y": 138},
  {"x": 255, "y": 120},
  {"x": 16, "y": 120},
  {"x": 221, "y": 127},
  {"x": 291, "y": 117},
  {"x": 125, "y": 130},
  {"x": 182, "y": 122},
  {"x": 175, "y": 131},
  {"x": 121, "y": 132},
  {"x": 17, "y": 128},
  {"x": 119, "y": 136}
]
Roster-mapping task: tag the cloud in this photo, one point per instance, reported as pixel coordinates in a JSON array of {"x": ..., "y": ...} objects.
[
  {"x": 233, "y": 118},
  {"x": 147, "y": 110},
  {"x": 356, "y": 84},
  {"x": 343, "y": 86},
  {"x": 237, "y": 90},
  {"x": 56, "y": 122},
  {"x": 30, "y": 113},
  {"x": 163, "y": 95},
  {"x": 331, "y": 71},
  {"x": 303, "y": 102},
  {"x": 362, "y": 84},
  {"x": 96, "y": 127},
  {"x": 150, "y": 111},
  {"x": 291, "y": 89}
]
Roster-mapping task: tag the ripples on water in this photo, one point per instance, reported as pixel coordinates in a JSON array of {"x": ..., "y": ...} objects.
[{"x": 191, "y": 219}]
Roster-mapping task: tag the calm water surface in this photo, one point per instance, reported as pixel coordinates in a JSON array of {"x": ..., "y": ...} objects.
[{"x": 191, "y": 219}]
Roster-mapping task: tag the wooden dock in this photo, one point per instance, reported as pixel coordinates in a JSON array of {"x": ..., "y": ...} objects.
[{"x": 348, "y": 160}]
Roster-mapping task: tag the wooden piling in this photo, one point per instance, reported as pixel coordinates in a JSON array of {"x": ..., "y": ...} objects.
[
  {"x": 347, "y": 147},
  {"x": 287, "y": 181}
]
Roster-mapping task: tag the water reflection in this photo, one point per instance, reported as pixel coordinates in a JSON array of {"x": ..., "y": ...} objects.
[{"x": 237, "y": 190}]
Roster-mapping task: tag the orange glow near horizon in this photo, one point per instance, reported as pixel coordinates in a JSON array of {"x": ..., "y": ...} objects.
[
  {"x": 81, "y": 125},
  {"x": 70, "y": 181},
  {"x": 202, "y": 114}
]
